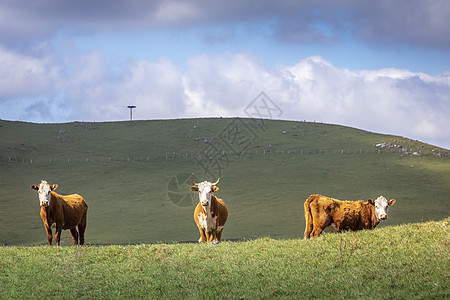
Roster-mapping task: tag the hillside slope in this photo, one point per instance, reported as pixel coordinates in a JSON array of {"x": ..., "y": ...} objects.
[{"x": 135, "y": 179}]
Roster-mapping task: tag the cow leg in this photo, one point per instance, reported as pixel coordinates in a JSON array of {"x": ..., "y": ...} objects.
[
  {"x": 82, "y": 228},
  {"x": 74, "y": 234},
  {"x": 320, "y": 226},
  {"x": 58, "y": 234},
  {"x": 308, "y": 229},
  {"x": 49, "y": 235},
  {"x": 309, "y": 221},
  {"x": 317, "y": 231},
  {"x": 202, "y": 235},
  {"x": 219, "y": 234},
  {"x": 208, "y": 236},
  {"x": 212, "y": 235}
]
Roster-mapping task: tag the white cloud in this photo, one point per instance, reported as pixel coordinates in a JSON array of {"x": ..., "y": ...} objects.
[
  {"x": 99, "y": 90},
  {"x": 393, "y": 101},
  {"x": 157, "y": 89},
  {"x": 23, "y": 75},
  {"x": 224, "y": 84},
  {"x": 388, "y": 101}
]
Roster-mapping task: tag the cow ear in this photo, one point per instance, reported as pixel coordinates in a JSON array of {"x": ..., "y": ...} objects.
[
  {"x": 34, "y": 187},
  {"x": 371, "y": 201},
  {"x": 53, "y": 187},
  {"x": 391, "y": 202},
  {"x": 214, "y": 188},
  {"x": 194, "y": 188}
]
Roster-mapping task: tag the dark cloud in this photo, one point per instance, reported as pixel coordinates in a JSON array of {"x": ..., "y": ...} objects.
[
  {"x": 415, "y": 23},
  {"x": 412, "y": 22},
  {"x": 424, "y": 23}
]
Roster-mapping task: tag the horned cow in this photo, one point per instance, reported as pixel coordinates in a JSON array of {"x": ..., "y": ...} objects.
[
  {"x": 62, "y": 212},
  {"x": 210, "y": 214},
  {"x": 322, "y": 211}
]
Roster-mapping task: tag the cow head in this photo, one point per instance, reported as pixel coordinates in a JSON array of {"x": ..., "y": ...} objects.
[
  {"x": 204, "y": 190},
  {"x": 44, "y": 192},
  {"x": 381, "y": 207}
]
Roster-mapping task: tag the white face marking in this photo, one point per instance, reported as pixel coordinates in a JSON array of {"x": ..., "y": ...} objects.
[
  {"x": 204, "y": 193},
  {"x": 381, "y": 208},
  {"x": 44, "y": 193}
]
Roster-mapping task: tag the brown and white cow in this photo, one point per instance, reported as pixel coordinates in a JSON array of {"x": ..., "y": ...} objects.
[
  {"x": 322, "y": 211},
  {"x": 62, "y": 212},
  {"x": 210, "y": 213}
]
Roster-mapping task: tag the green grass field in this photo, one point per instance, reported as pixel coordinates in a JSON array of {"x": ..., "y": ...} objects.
[
  {"x": 132, "y": 177},
  {"x": 409, "y": 261}
]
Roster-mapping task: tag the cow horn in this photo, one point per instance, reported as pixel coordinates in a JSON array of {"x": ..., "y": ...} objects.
[
  {"x": 193, "y": 183},
  {"x": 215, "y": 183}
]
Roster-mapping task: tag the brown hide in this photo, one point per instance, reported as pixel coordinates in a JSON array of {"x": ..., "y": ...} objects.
[
  {"x": 322, "y": 211},
  {"x": 216, "y": 216},
  {"x": 65, "y": 212}
]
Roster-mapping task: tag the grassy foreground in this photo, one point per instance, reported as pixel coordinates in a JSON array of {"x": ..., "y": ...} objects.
[{"x": 397, "y": 262}]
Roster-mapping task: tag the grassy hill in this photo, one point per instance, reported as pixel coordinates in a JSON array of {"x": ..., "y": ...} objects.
[
  {"x": 135, "y": 178},
  {"x": 397, "y": 262}
]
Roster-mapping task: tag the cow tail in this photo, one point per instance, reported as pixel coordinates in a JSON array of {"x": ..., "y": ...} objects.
[{"x": 308, "y": 217}]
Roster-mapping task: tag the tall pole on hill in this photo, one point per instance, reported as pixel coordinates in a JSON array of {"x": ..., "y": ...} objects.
[{"x": 131, "y": 113}]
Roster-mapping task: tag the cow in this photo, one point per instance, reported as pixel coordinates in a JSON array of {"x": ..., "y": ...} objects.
[
  {"x": 61, "y": 212},
  {"x": 210, "y": 214},
  {"x": 322, "y": 211}
]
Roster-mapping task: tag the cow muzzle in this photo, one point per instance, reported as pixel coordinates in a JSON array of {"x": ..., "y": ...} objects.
[
  {"x": 204, "y": 203},
  {"x": 44, "y": 203},
  {"x": 383, "y": 216}
]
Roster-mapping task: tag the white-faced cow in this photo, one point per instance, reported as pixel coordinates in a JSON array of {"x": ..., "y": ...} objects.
[
  {"x": 322, "y": 211},
  {"x": 210, "y": 213},
  {"x": 62, "y": 212}
]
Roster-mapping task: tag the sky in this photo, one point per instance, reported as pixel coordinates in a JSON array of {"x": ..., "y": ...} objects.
[{"x": 381, "y": 66}]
